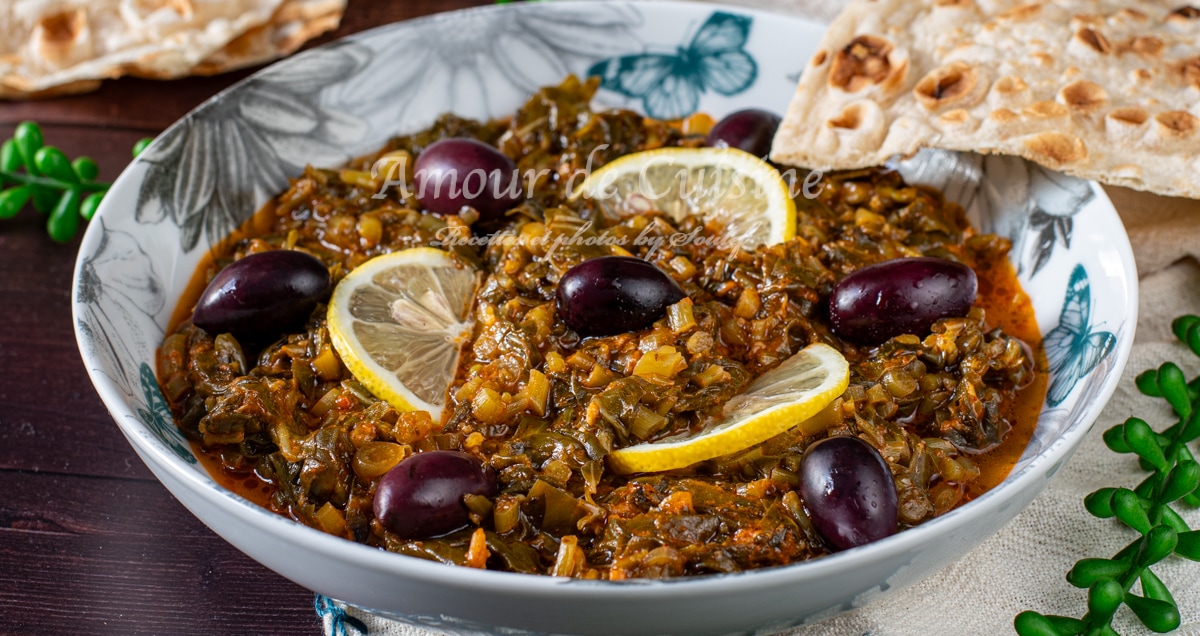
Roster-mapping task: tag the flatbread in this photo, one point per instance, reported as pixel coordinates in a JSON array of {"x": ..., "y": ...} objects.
[
  {"x": 52, "y": 47},
  {"x": 1101, "y": 89},
  {"x": 293, "y": 23}
]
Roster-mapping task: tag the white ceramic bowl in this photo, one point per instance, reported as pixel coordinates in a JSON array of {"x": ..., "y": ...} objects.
[{"x": 216, "y": 166}]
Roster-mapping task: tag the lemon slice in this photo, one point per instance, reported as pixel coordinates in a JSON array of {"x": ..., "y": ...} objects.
[
  {"x": 745, "y": 195},
  {"x": 778, "y": 400},
  {"x": 398, "y": 322}
]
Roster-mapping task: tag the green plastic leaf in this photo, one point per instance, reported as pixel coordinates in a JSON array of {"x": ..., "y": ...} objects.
[
  {"x": 90, "y": 204},
  {"x": 1191, "y": 428},
  {"x": 1187, "y": 545},
  {"x": 1099, "y": 503},
  {"x": 1173, "y": 385},
  {"x": 1172, "y": 518},
  {"x": 28, "y": 139},
  {"x": 64, "y": 219},
  {"x": 1159, "y": 616},
  {"x": 11, "y": 201},
  {"x": 1182, "y": 480},
  {"x": 1153, "y": 587},
  {"x": 1104, "y": 597},
  {"x": 51, "y": 162},
  {"x": 1114, "y": 439},
  {"x": 1158, "y": 543},
  {"x": 1193, "y": 339},
  {"x": 1128, "y": 508},
  {"x": 1147, "y": 383},
  {"x": 1142, "y": 440},
  {"x": 1066, "y": 625},
  {"x": 29, "y": 142},
  {"x": 10, "y": 157},
  {"x": 1181, "y": 325},
  {"x": 141, "y": 145},
  {"x": 85, "y": 168},
  {"x": 44, "y": 199},
  {"x": 1088, "y": 571},
  {"x": 1149, "y": 486},
  {"x": 1031, "y": 623}
]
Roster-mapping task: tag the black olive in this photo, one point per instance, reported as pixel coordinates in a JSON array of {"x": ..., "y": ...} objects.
[
  {"x": 262, "y": 294},
  {"x": 615, "y": 294}
]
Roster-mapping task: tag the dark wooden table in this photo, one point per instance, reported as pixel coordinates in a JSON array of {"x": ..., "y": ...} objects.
[{"x": 90, "y": 543}]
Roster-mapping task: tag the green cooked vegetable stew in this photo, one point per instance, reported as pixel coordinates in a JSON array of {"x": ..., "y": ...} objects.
[{"x": 942, "y": 413}]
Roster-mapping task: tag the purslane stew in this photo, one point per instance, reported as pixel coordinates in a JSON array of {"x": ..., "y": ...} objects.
[{"x": 536, "y": 407}]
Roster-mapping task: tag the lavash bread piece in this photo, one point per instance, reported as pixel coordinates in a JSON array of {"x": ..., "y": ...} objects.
[
  {"x": 1101, "y": 89},
  {"x": 53, "y": 47},
  {"x": 293, "y": 23}
]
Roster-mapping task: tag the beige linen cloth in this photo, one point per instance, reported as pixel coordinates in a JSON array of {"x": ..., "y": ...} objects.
[{"x": 1023, "y": 565}]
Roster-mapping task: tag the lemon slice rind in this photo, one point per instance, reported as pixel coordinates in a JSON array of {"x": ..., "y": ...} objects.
[
  {"x": 775, "y": 402},
  {"x": 407, "y": 350}
]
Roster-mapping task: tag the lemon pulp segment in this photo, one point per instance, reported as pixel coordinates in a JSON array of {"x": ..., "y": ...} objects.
[
  {"x": 398, "y": 322},
  {"x": 742, "y": 194}
]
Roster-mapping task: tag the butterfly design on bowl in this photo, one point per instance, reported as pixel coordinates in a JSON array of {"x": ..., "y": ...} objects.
[
  {"x": 1072, "y": 347},
  {"x": 670, "y": 84}
]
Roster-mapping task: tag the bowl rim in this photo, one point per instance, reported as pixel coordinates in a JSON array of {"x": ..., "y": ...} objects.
[{"x": 364, "y": 556}]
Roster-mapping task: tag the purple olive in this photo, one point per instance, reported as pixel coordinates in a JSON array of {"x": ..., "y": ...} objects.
[
  {"x": 904, "y": 295},
  {"x": 262, "y": 294},
  {"x": 615, "y": 294},
  {"x": 422, "y": 496},
  {"x": 453, "y": 173},
  {"x": 848, "y": 491},
  {"x": 751, "y": 130}
]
